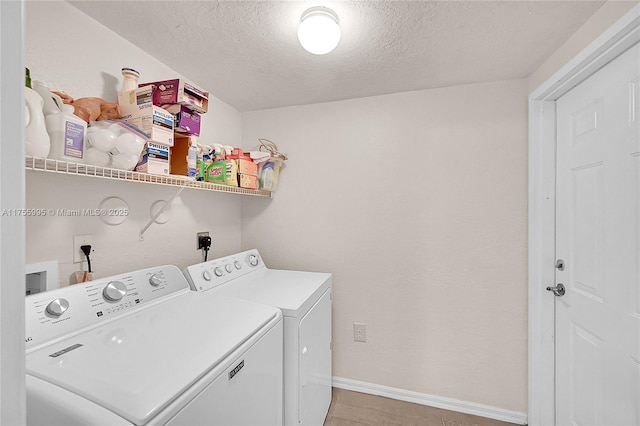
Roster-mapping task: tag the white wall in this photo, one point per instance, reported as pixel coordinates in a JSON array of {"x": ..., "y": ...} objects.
[
  {"x": 417, "y": 203},
  {"x": 76, "y": 54}
]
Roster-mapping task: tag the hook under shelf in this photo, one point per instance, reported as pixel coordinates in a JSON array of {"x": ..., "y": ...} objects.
[{"x": 158, "y": 213}]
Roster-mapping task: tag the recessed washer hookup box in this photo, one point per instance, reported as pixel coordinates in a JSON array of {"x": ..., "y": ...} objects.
[{"x": 179, "y": 91}]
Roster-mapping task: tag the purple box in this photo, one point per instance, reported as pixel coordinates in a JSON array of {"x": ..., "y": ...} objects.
[
  {"x": 186, "y": 120},
  {"x": 179, "y": 91}
]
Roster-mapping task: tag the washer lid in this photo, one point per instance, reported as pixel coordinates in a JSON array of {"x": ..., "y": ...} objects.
[
  {"x": 136, "y": 365},
  {"x": 294, "y": 292}
]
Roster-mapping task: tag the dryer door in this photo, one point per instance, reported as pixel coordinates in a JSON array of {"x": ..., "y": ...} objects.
[{"x": 314, "y": 379}]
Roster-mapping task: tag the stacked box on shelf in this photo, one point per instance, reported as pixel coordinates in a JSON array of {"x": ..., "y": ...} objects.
[
  {"x": 186, "y": 121},
  {"x": 183, "y": 155},
  {"x": 155, "y": 159},
  {"x": 137, "y": 108},
  {"x": 152, "y": 106},
  {"x": 184, "y": 100},
  {"x": 247, "y": 169},
  {"x": 179, "y": 91}
]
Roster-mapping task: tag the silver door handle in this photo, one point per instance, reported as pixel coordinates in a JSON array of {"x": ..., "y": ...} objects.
[{"x": 558, "y": 290}]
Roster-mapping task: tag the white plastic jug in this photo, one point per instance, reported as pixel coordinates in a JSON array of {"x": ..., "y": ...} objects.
[
  {"x": 67, "y": 131},
  {"x": 36, "y": 136}
]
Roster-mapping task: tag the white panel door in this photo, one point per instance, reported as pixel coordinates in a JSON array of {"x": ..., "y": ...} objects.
[{"x": 598, "y": 237}]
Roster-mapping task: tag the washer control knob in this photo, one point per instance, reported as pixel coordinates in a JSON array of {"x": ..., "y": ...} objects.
[
  {"x": 238, "y": 265},
  {"x": 57, "y": 307},
  {"x": 206, "y": 275},
  {"x": 155, "y": 280},
  {"x": 253, "y": 260},
  {"x": 218, "y": 271},
  {"x": 229, "y": 268},
  {"x": 114, "y": 291}
]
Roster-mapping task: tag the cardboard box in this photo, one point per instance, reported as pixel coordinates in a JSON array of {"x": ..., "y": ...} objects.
[
  {"x": 135, "y": 100},
  {"x": 156, "y": 122},
  {"x": 184, "y": 149},
  {"x": 185, "y": 120},
  {"x": 248, "y": 181},
  {"x": 247, "y": 167},
  {"x": 155, "y": 159},
  {"x": 179, "y": 91}
]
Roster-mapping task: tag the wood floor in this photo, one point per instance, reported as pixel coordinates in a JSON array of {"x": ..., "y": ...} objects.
[{"x": 358, "y": 409}]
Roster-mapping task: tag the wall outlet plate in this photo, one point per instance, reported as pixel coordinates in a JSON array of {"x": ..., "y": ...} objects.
[
  {"x": 198, "y": 235},
  {"x": 360, "y": 332},
  {"x": 81, "y": 240}
]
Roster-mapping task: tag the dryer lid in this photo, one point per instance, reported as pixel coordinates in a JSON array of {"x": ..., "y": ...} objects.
[
  {"x": 136, "y": 365},
  {"x": 294, "y": 292}
]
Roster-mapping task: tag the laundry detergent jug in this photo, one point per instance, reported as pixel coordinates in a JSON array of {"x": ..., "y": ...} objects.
[
  {"x": 66, "y": 130},
  {"x": 36, "y": 137}
]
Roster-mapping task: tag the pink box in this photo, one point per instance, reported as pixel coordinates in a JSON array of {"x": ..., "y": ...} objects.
[{"x": 179, "y": 91}]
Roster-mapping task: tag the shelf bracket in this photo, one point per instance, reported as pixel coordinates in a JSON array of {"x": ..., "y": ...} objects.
[{"x": 158, "y": 213}]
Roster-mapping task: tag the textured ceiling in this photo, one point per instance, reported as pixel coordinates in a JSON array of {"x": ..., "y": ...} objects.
[{"x": 250, "y": 58}]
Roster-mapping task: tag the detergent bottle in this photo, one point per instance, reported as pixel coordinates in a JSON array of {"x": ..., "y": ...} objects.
[
  {"x": 37, "y": 141},
  {"x": 67, "y": 131}
]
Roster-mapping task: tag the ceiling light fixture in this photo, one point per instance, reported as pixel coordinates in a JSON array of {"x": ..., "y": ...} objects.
[{"x": 319, "y": 30}]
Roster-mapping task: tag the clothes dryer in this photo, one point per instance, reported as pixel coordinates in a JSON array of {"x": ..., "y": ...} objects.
[
  {"x": 142, "y": 348},
  {"x": 305, "y": 301}
]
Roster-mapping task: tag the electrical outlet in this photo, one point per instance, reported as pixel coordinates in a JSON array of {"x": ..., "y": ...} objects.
[
  {"x": 82, "y": 240},
  {"x": 198, "y": 235},
  {"x": 360, "y": 332}
]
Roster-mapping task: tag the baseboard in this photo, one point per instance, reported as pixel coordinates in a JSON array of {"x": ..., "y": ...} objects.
[{"x": 432, "y": 400}]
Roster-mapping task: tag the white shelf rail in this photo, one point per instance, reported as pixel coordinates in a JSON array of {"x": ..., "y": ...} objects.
[{"x": 68, "y": 168}]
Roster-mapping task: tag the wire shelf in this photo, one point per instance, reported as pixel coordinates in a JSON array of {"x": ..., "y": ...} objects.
[{"x": 63, "y": 167}]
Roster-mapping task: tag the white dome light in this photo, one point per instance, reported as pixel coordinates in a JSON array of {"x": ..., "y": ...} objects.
[{"x": 319, "y": 30}]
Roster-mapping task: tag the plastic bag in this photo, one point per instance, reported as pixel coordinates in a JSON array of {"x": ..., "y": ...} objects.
[{"x": 114, "y": 143}]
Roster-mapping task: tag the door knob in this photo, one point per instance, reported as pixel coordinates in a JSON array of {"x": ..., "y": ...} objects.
[{"x": 557, "y": 290}]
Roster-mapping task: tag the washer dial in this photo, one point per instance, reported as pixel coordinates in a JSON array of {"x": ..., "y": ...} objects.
[
  {"x": 57, "y": 307},
  {"x": 155, "y": 280},
  {"x": 114, "y": 291}
]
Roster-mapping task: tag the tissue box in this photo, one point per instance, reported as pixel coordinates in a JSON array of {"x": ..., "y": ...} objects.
[
  {"x": 179, "y": 91},
  {"x": 185, "y": 120},
  {"x": 135, "y": 100},
  {"x": 155, "y": 159},
  {"x": 156, "y": 122}
]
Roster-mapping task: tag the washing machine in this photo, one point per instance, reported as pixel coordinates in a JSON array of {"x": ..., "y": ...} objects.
[
  {"x": 141, "y": 348},
  {"x": 305, "y": 301}
]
